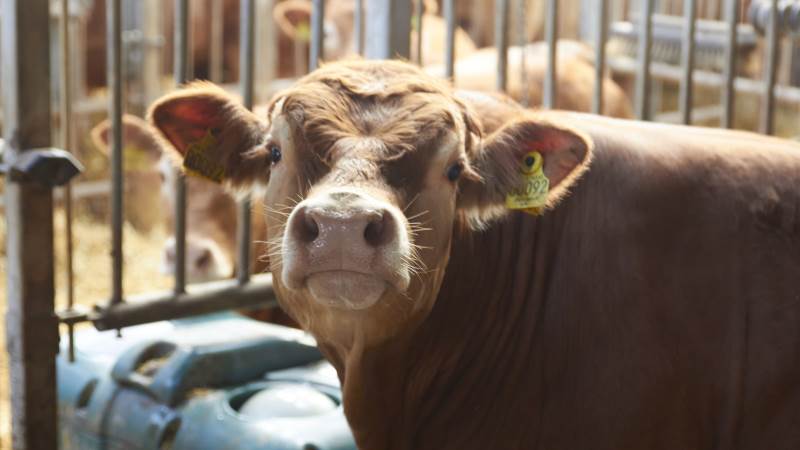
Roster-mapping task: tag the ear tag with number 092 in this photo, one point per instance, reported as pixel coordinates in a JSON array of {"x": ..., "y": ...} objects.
[{"x": 530, "y": 195}]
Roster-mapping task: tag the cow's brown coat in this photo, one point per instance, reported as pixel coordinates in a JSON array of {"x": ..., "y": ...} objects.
[{"x": 657, "y": 306}]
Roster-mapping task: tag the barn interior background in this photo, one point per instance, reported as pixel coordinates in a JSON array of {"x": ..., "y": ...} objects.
[{"x": 750, "y": 80}]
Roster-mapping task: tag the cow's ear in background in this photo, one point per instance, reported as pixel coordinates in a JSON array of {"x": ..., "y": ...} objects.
[
  {"x": 528, "y": 165},
  {"x": 213, "y": 134},
  {"x": 140, "y": 146},
  {"x": 293, "y": 18}
]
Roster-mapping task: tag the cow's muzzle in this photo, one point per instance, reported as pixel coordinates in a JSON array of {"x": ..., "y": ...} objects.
[{"x": 347, "y": 248}]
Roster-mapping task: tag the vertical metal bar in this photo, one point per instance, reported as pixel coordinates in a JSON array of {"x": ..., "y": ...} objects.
[
  {"x": 388, "y": 26},
  {"x": 767, "y": 121},
  {"x": 317, "y": 18},
  {"x": 524, "y": 81},
  {"x": 551, "y": 34},
  {"x": 729, "y": 71},
  {"x": 246, "y": 55},
  {"x": 450, "y": 39},
  {"x": 181, "y": 74},
  {"x": 31, "y": 327},
  {"x": 66, "y": 140},
  {"x": 418, "y": 13},
  {"x": 501, "y": 40},
  {"x": 600, "y": 57},
  {"x": 359, "y": 27},
  {"x": 215, "y": 59},
  {"x": 643, "y": 70},
  {"x": 114, "y": 62},
  {"x": 687, "y": 61}
]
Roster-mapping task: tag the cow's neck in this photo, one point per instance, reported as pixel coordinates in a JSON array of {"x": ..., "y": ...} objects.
[{"x": 462, "y": 371}]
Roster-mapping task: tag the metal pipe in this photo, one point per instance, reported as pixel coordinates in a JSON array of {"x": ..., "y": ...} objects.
[
  {"x": 687, "y": 61},
  {"x": 246, "y": 56},
  {"x": 523, "y": 52},
  {"x": 181, "y": 76},
  {"x": 450, "y": 40},
  {"x": 215, "y": 60},
  {"x": 388, "y": 25},
  {"x": 30, "y": 326},
  {"x": 420, "y": 7},
  {"x": 501, "y": 40},
  {"x": 551, "y": 35},
  {"x": 317, "y": 21},
  {"x": 114, "y": 62},
  {"x": 66, "y": 140},
  {"x": 600, "y": 57},
  {"x": 767, "y": 120},
  {"x": 214, "y": 297},
  {"x": 359, "y": 18},
  {"x": 729, "y": 72},
  {"x": 643, "y": 70}
]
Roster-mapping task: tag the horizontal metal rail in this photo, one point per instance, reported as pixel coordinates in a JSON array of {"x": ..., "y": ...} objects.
[
  {"x": 662, "y": 71},
  {"x": 201, "y": 299}
]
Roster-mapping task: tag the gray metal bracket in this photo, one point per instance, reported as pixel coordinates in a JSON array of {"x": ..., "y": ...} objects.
[{"x": 49, "y": 167}]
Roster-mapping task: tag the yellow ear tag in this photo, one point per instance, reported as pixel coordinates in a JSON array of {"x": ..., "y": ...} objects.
[
  {"x": 136, "y": 159},
  {"x": 200, "y": 161},
  {"x": 531, "y": 195}
]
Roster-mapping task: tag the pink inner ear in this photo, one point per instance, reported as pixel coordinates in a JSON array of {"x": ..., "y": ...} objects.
[
  {"x": 187, "y": 121},
  {"x": 562, "y": 153}
]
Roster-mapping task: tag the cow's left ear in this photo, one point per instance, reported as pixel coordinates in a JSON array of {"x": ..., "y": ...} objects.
[
  {"x": 511, "y": 162},
  {"x": 213, "y": 135}
]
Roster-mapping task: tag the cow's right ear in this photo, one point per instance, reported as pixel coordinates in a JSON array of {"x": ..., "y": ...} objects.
[{"x": 213, "y": 134}]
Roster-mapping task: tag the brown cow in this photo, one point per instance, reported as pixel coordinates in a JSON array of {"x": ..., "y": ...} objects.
[
  {"x": 655, "y": 306},
  {"x": 211, "y": 215},
  {"x": 574, "y": 77}
]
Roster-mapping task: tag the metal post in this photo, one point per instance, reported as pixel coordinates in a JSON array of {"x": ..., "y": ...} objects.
[
  {"x": 687, "y": 61},
  {"x": 359, "y": 25},
  {"x": 522, "y": 37},
  {"x": 643, "y": 70},
  {"x": 767, "y": 121},
  {"x": 419, "y": 9},
  {"x": 31, "y": 326},
  {"x": 317, "y": 21},
  {"x": 450, "y": 42},
  {"x": 246, "y": 55},
  {"x": 389, "y": 28},
  {"x": 215, "y": 60},
  {"x": 501, "y": 40},
  {"x": 114, "y": 71},
  {"x": 181, "y": 75},
  {"x": 152, "y": 65},
  {"x": 600, "y": 57},
  {"x": 729, "y": 73},
  {"x": 66, "y": 140},
  {"x": 551, "y": 34}
]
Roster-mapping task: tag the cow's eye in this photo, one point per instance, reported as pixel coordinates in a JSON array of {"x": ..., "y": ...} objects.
[
  {"x": 454, "y": 171},
  {"x": 275, "y": 154}
]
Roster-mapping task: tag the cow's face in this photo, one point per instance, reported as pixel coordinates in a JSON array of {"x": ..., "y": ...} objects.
[
  {"x": 210, "y": 214},
  {"x": 366, "y": 169}
]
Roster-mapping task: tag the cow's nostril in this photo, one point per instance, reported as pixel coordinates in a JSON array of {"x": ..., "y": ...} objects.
[
  {"x": 378, "y": 229},
  {"x": 204, "y": 259},
  {"x": 306, "y": 228}
]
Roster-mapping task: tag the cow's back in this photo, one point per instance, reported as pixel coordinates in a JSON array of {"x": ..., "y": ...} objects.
[{"x": 658, "y": 306}]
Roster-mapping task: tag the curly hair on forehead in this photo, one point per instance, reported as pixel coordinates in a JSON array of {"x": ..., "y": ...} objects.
[{"x": 392, "y": 101}]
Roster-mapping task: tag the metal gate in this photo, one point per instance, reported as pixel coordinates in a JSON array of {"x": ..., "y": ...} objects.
[{"x": 32, "y": 324}]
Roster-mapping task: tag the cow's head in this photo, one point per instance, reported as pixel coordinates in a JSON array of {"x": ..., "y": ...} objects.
[
  {"x": 367, "y": 168},
  {"x": 150, "y": 188}
]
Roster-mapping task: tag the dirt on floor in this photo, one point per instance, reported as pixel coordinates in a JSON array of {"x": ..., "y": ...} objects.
[{"x": 92, "y": 265}]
